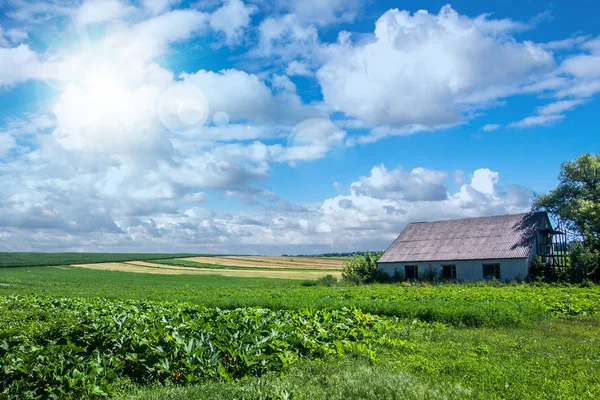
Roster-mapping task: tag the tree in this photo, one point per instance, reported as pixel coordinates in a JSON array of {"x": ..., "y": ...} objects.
[
  {"x": 362, "y": 269},
  {"x": 576, "y": 200}
]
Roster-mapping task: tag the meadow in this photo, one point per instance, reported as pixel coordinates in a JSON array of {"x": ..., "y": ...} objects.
[
  {"x": 45, "y": 259},
  {"x": 146, "y": 336}
]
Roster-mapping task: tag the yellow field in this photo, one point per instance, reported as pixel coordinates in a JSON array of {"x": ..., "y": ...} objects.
[
  {"x": 262, "y": 264},
  {"x": 270, "y": 262}
]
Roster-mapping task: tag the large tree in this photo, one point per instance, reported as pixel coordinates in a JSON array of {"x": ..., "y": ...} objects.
[{"x": 576, "y": 200}]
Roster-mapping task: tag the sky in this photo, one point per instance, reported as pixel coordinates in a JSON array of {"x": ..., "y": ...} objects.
[{"x": 291, "y": 126}]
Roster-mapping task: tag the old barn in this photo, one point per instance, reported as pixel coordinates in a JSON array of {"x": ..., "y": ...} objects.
[{"x": 472, "y": 249}]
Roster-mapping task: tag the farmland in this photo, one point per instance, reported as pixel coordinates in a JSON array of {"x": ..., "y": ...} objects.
[
  {"x": 45, "y": 259},
  {"x": 234, "y": 266},
  {"x": 149, "y": 336}
]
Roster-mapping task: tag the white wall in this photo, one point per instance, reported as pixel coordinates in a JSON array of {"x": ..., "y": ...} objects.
[{"x": 467, "y": 270}]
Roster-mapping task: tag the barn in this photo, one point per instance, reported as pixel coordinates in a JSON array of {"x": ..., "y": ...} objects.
[{"x": 472, "y": 249}]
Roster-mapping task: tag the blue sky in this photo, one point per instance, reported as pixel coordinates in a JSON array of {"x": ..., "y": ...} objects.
[{"x": 282, "y": 127}]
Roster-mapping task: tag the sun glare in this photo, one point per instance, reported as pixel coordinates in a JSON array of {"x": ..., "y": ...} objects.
[{"x": 103, "y": 87}]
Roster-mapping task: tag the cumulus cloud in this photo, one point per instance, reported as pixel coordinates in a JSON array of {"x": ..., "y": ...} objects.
[
  {"x": 425, "y": 69},
  {"x": 244, "y": 96},
  {"x": 296, "y": 68},
  {"x": 131, "y": 153},
  {"x": 232, "y": 19},
  {"x": 19, "y": 64},
  {"x": 419, "y": 184},
  {"x": 95, "y": 11}
]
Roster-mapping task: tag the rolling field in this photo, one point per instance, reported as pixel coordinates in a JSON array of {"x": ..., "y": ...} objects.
[
  {"x": 233, "y": 266},
  {"x": 46, "y": 259},
  {"x": 73, "y": 332}
]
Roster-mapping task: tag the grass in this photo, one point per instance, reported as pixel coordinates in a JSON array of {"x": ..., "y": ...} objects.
[
  {"x": 45, "y": 259},
  {"x": 500, "y": 342},
  {"x": 554, "y": 359}
]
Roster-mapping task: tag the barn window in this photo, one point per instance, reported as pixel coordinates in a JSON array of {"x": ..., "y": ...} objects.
[
  {"x": 411, "y": 271},
  {"x": 449, "y": 272},
  {"x": 491, "y": 271}
]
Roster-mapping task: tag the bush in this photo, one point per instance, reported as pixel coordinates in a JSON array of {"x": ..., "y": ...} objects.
[
  {"x": 537, "y": 270},
  {"x": 362, "y": 269},
  {"x": 583, "y": 263},
  {"x": 328, "y": 280}
]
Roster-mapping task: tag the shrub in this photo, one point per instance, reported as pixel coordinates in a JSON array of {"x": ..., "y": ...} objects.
[
  {"x": 328, "y": 280},
  {"x": 583, "y": 263},
  {"x": 537, "y": 270},
  {"x": 362, "y": 269}
]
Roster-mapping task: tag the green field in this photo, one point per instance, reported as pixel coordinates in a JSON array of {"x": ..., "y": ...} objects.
[
  {"x": 44, "y": 259},
  {"x": 128, "y": 335}
]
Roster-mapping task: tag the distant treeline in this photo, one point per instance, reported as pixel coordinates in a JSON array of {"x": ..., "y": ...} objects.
[{"x": 354, "y": 253}]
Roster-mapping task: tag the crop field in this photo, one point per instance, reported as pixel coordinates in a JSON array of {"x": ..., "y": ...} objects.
[
  {"x": 45, "y": 259},
  {"x": 233, "y": 266},
  {"x": 166, "y": 269},
  {"x": 73, "y": 332}
]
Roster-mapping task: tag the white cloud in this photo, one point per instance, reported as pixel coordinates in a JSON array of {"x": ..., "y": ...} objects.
[
  {"x": 95, "y": 11},
  {"x": 296, "y": 68},
  {"x": 558, "y": 107},
  {"x": 127, "y": 150},
  {"x": 232, "y": 19},
  {"x": 11, "y": 36},
  {"x": 419, "y": 184},
  {"x": 426, "y": 69},
  {"x": 548, "y": 114},
  {"x": 583, "y": 66},
  {"x": 7, "y": 143},
  {"x": 536, "y": 120},
  {"x": 321, "y": 12},
  {"x": 159, "y": 6},
  {"x": 287, "y": 38},
  {"x": 19, "y": 64},
  {"x": 490, "y": 127},
  {"x": 244, "y": 96},
  {"x": 565, "y": 44}
]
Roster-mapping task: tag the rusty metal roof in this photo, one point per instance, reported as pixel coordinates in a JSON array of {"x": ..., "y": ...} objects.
[{"x": 497, "y": 237}]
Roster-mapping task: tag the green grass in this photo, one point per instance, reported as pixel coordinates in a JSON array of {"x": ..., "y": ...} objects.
[
  {"x": 225, "y": 292},
  {"x": 45, "y": 259},
  {"x": 501, "y": 341},
  {"x": 554, "y": 359},
  {"x": 472, "y": 305}
]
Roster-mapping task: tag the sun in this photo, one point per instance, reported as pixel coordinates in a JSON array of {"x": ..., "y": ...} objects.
[{"x": 103, "y": 87}]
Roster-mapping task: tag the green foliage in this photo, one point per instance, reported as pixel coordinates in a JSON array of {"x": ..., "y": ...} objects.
[
  {"x": 44, "y": 259},
  {"x": 502, "y": 331},
  {"x": 328, "y": 280},
  {"x": 362, "y": 269},
  {"x": 93, "y": 341},
  {"x": 583, "y": 263},
  {"x": 576, "y": 200},
  {"x": 475, "y": 304},
  {"x": 538, "y": 271}
]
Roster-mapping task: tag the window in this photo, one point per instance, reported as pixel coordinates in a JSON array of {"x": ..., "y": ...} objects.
[
  {"x": 491, "y": 271},
  {"x": 411, "y": 271},
  {"x": 449, "y": 272}
]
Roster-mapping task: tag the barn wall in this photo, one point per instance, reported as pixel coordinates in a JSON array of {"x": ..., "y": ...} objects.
[{"x": 467, "y": 270}]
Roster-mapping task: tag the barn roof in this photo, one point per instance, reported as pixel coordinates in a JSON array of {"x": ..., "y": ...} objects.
[{"x": 497, "y": 237}]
